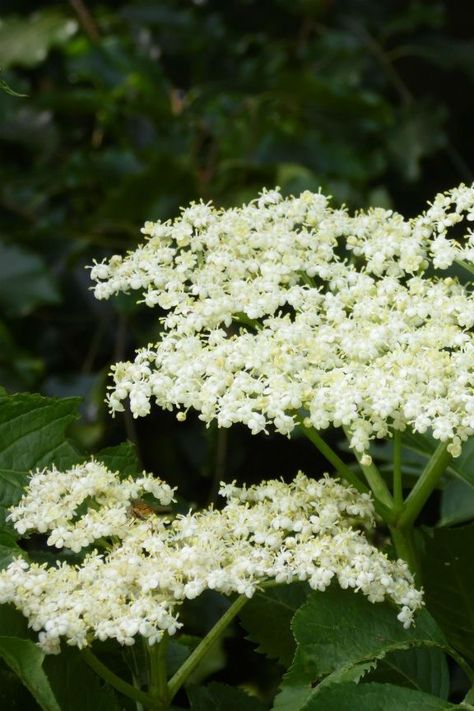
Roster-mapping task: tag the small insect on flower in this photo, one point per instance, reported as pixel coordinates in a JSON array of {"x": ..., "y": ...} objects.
[{"x": 142, "y": 510}]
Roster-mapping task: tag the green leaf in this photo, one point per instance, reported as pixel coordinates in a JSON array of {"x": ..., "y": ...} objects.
[
  {"x": 260, "y": 614},
  {"x": 457, "y": 503},
  {"x": 32, "y": 431},
  {"x": 32, "y": 434},
  {"x": 375, "y": 697},
  {"x": 8, "y": 550},
  {"x": 26, "y": 41},
  {"x": 220, "y": 697},
  {"x": 13, "y": 624},
  {"x": 448, "y": 580},
  {"x": 76, "y": 686},
  {"x": 420, "y": 668},
  {"x": 26, "y": 660},
  {"x": 25, "y": 281},
  {"x": 123, "y": 458},
  {"x": 339, "y": 629}
]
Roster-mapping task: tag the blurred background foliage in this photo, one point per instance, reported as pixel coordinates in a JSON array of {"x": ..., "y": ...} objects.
[{"x": 135, "y": 108}]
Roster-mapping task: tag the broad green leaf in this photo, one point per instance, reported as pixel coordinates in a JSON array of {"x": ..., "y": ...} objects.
[
  {"x": 123, "y": 458},
  {"x": 353, "y": 674},
  {"x": 11, "y": 488},
  {"x": 457, "y": 503},
  {"x": 26, "y": 660},
  {"x": 32, "y": 434},
  {"x": 260, "y": 614},
  {"x": 448, "y": 580},
  {"x": 340, "y": 629},
  {"x": 76, "y": 686},
  {"x": 25, "y": 281},
  {"x": 8, "y": 550},
  {"x": 420, "y": 668},
  {"x": 26, "y": 41},
  {"x": 32, "y": 431},
  {"x": 220, "y": 697},
  {"x": 375, "y": 697},
  {"x": 13, "y": 624}
]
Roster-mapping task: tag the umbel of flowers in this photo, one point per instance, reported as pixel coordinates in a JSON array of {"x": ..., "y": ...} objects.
[
  {"x": 288, "y": 310},
  {"x": 136, "y": 570}
]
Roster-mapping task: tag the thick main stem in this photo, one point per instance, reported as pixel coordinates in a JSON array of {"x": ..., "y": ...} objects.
[
  {"x": 203, "y": 647},
  {"x": 158, "y": 689},
  {"x": 397, "y": 471},
  {"x": 424, "y": 486},
  {"x": 405, "y": 548}
]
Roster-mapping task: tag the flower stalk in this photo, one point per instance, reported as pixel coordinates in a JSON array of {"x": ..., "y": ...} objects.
[
  {"x": 426, "y": 483},
  {"x": 158, "y": 686},
  {"x": 194, "y": 659},
  {"x": 397, "y": 470},
  {"x": 114, "y": 680}
]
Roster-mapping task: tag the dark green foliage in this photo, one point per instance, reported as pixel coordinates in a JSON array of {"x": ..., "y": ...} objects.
[
  {"x": 26, "y": 660},
  {"x": 76, "y": 686},
  {"x": 219, "y": 697},
  {"x": 448, "y": 576},
  {"x": 341, "y": 636},
  {"x": 32, "y": 435},
  {"x": 420, "y": 668},
  {"x": 259, "y": 618},
  {"x": 375, "y": 697}
]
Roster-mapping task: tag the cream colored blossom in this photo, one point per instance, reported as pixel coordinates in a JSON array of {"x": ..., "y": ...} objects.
[
  {"x": 266, "y": 319},
  {"x": 135, "y": 581}
]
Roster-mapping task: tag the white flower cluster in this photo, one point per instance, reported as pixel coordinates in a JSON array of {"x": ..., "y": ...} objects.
[
  {"x": 368, "y": 340},
  {"x": 83, "y": 504},
  {"x": 307, "y": 530}
]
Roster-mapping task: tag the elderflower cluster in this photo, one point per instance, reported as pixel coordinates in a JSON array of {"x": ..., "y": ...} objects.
[
  {"x": 52, "y": 503},
  {"x": 135, "y": 579},
  {"x": 287, "y": 307}
]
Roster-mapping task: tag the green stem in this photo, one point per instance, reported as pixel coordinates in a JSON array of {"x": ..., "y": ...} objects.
[
  {"x": 333, "y": 458},
  {"x": 176, "y": 682},
  {"x": 466, "y": 265},
  {"x": 242, "y": 318},
  {"x": 345, "y": 472},
  {"x": 111, "y": 678},
  {"x": 405, "y": 548},
  {"x": 397, "y": 470},
  {"x": 132, "y": 663},
  {"x": 425, "y": 485},
  {"x": 158, "y": 689},
  {"x": 373, "y": 476}
]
